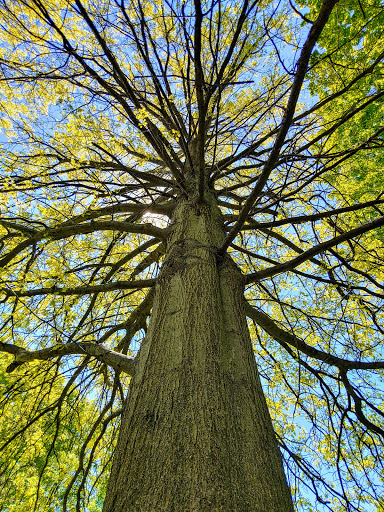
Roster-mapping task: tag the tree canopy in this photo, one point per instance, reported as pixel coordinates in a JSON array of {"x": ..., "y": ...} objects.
[{"x": 111, "y": 112}]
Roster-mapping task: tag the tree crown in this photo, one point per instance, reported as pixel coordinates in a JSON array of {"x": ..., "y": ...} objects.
[{"x": 113, "y": 113}]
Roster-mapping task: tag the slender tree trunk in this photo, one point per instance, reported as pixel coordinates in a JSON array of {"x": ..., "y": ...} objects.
[{"x": 196, "y": 434}]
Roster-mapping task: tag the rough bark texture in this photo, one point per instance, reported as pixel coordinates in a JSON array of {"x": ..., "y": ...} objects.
[{"x": 196, "y": 433}]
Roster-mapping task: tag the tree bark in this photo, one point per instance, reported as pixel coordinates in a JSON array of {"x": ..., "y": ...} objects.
[{"x": 196, "y": 434}]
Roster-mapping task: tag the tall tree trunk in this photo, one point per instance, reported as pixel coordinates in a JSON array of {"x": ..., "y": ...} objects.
[{"x": 196, "y": 434}]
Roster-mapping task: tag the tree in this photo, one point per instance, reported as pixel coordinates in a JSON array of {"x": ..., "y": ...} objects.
[
  {"x": 167, "y": 175},
  {"x": 31, "y": 414}
]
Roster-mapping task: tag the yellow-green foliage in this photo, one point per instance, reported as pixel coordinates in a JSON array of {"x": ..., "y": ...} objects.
[{"x": 44, "y": 423}]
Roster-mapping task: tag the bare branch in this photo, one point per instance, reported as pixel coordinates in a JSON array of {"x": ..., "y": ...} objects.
[
  {"x": 317, "y": 249},
  {"x": 302, "y": 66},
  {"x": 316, "y": 216},
  {"x": 119, "y": 362},
  {"x": 66, "y": 231},
  {"x": 282, "y": 336},
  {"x": 82, "y": 290}
]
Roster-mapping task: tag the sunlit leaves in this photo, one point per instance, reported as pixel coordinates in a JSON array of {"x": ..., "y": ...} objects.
[
  {"x": 51, "y": 419},
  {"x": 101, "y": 108}
]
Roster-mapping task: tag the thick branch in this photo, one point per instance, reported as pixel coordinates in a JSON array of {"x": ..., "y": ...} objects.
[
  {"x": 284, "y": 337},
  {"x": 82, "y": 290},
  {"x": 317, "y": 249},
  {"x": 300, "y": 219},
  {"x": 17, "y": 227},
  {"x": 66, "y": 231},
  {"x": 160, "y": 209},
  {"x": 119, "y": 362}
]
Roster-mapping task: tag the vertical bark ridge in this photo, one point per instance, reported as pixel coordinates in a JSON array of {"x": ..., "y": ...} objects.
[{"x": 196, "y": 433}]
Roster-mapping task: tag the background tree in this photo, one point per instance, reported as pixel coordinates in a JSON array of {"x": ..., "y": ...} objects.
[
  {"x": 34, "y": 471},
  {"x": 182, "y": 136}
]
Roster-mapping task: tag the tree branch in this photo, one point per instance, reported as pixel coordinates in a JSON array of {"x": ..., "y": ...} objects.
[
  {"x": 284, "y": 337},
  {"x": 300, "y": 219},
  {"x": 119, "y": 362},
  {"x": 82, "y": 290},
  {"x": 160, "y": 209},
  {"x": 302, "y": 66},
  {"x": 66, "y": 231},
  {"x": 317, "y": 249}
]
